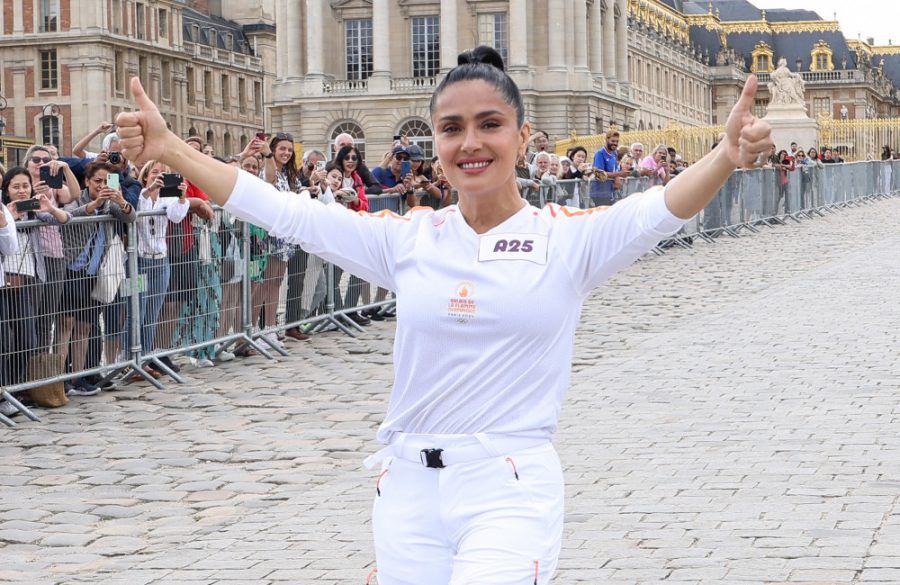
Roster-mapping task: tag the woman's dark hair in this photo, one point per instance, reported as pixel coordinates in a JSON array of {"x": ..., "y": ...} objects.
[
  {"x": 343, "y": 153},
  {"x": 95, "y": 167},
  {"x": 290, "y": 167},
  {"x": 486, "y": 64},
  {"x": 574, "y": 149},
  {"x": 7, "y": 179}
]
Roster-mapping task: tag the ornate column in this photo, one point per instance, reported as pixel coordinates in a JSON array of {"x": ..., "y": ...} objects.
[
  {"x": 293, "y": 69},
  {"x": 622, "y": 42},
  {"x": 315, "y": 47},
  {"x": 556, "y": 31},
  {"x": 596, "y": 34},
  {"x": 518, "y": 43},
  {"x": 449, "y": 30},
  {"x": 609, "y": 40},
  {"x": 381, "y": 49},
  {"x": 581, "y": 36}
]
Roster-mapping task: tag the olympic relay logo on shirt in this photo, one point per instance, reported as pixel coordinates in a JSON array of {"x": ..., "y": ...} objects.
[{"x": 462, "y": 306}]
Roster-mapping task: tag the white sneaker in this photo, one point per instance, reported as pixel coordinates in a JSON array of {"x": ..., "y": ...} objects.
[
  {"x": 271, "y": 336},
  {"x": 205, "y": 363},
  {"x": 7, "y": 409},
  {"x": 225, "y": 356}
]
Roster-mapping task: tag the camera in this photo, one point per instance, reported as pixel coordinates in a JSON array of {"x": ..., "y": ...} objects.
[
  {"x": 28, "y": 205},
  {"x": 114, "y": 158}
]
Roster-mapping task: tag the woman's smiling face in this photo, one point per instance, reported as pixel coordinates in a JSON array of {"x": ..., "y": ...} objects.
[{"x": 477, "y": 137}]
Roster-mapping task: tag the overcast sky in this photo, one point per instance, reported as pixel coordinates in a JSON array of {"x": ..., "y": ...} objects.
[{"x": 858, "y": 18}]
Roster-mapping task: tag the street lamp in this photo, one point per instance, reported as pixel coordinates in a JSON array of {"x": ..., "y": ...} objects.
[{"x": 50, "y": 124}]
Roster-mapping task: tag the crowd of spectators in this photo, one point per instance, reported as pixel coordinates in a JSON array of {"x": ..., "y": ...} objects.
[{"x": 60, "y": 280}]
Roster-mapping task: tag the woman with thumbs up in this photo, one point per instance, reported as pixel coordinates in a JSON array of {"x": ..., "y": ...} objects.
[{"x": 470, "y": 488}]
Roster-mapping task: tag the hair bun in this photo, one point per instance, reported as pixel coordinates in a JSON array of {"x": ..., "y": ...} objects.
[{"x": 482, "y": 54}]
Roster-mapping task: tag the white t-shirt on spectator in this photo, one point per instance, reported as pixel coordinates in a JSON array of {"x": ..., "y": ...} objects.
[{"x": 485, "y": 323}]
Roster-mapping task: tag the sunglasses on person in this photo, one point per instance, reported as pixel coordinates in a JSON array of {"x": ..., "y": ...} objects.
[
  {"x": 351, "y": 158},
  {"x": 40, "y": 159},
  {"x": 284, "y": 136},
  {"x": 401, "y": 157}
]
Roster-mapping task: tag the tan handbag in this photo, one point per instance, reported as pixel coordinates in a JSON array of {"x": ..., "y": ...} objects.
[{"x": 45, "y": 366}]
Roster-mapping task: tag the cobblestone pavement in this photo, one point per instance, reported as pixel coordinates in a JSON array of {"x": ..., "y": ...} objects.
[{"x": 733, "y": 418}]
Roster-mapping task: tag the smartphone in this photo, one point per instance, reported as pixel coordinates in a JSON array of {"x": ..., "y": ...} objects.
[
  {"x": 396, "y": 137},
  {"x": 53, "y": 181},
  {"x": 112, "y": 180},
  {"x": 27, "y": 205},
  {"x": 405, "y": 168},
  {"x": 171, "y": 182},
  {"x": 261, "y": 136}
]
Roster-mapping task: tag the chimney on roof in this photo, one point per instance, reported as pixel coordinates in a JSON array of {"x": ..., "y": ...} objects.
[{"x": 870, "y": 40}]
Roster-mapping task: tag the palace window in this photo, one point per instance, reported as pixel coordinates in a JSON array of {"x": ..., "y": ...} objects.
[
  {"x": 358, "y": 43},
  {"x": 162, "y": 17},
  {"x": 139, "y": 21},
  {"x": 426, "y": 46},
  {"x": 762, "y": 58},
  {"x": 821, "y": 105},
  {"x": 119, "y": 73},
  {"x": 49, "y": 15},
  {"x": 49, "y": 72},
  {"x": 50, "y": 130},
  {"x": 493, "y": 31},
  {"x": 821, "y": 57},
  {"x": 419, "y": 133},
  {"x": 354, "y": 130},
  {"x": 191, "y": 90}
]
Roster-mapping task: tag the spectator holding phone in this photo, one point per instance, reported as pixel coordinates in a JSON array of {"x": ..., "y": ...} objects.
[
  {"x": 373, "y": 187},
  {"x": 424, "y": 191},
  {"x": 396, "y": 177},
  {"x": 24, "y": 273},
  {"x": 163, "y": 190},
  {"x": 352, "y": 195},
  {"x": 55, "y": 180},
  {"x": 85, "y": 246}
]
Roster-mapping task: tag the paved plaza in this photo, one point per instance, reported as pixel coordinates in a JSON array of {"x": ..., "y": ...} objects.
[{"x": 733, "y": 418}]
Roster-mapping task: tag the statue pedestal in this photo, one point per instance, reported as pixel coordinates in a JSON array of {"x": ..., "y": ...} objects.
[{"x": 791, "y": 124}]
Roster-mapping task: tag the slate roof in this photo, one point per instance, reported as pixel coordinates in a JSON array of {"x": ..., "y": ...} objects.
[{"x": 219, "y": 26}]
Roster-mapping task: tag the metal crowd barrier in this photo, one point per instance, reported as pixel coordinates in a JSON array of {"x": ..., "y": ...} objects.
[{"x": 224, "y": 285}]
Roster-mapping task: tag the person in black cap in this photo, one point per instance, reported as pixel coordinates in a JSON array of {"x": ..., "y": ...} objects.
[{"x": 390, "y": 176}]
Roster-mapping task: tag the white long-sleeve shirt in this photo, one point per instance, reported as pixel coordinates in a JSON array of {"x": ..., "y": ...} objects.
[
  {"x": 152, "y": 230},
  {"x": 9, "y": 242},
  {"x": 485, "y": 322}
]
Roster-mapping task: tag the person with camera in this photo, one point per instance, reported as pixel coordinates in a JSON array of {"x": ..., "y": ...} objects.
[
  {"x": 110, "y": 154},
  {"x": 25, "y": 273},
  {"x": 163, "y": 190}
]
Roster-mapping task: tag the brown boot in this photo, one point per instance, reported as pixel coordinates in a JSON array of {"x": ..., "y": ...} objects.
[{"x": 295, "y": 333}]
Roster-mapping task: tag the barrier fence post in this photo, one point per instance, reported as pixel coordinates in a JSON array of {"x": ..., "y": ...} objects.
[
  {"x": 134, "y": 313},
  {"x": 247, "y": 297}
]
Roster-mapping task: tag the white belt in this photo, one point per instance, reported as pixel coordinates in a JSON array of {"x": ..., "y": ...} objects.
[
  {"x": 454, "y": 449},
  {"x": 154, "y": 256}
]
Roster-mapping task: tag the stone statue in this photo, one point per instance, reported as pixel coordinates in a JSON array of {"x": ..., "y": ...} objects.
[{"x": 786, "y": 87}]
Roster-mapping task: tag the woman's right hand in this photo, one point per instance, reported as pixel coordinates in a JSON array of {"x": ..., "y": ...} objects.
[
  {"x": 41, "y": 188},
  {"x": 144, "y": 135},
  {"x": 11, "y": 206},
  {"x": 154, "y": 187}
]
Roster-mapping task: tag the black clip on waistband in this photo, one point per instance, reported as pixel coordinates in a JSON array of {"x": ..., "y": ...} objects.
[{"x": 432, "y": 458}]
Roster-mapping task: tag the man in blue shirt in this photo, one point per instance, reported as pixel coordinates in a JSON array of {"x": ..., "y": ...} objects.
[{"x": 606, "y": 160}]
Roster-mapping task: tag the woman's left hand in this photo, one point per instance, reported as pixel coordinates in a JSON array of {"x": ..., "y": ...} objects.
[{"x": 746, "y": 136}]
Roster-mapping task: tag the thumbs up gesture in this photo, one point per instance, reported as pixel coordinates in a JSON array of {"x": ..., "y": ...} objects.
[
  {"x": 746, "y": 136},
  {"x": 143, "y": 133}
]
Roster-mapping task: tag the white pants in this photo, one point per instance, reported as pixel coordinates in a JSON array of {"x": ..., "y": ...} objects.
[{"x": 472, "y": 522}]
